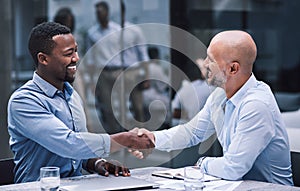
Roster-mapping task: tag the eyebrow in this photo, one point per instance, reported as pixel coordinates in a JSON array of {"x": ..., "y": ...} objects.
[
  {"x": 71, "y": 48},
  {"x": 210, "y": 58}
]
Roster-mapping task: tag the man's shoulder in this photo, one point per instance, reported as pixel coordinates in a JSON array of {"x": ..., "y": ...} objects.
[
  {"x": 259, "y": 99},
  {"x": 29, "y": 89},
  {"x": 93, "y": 29},
  {"x": 260, "y": 92},
  {"x": 114, "y": 25}
]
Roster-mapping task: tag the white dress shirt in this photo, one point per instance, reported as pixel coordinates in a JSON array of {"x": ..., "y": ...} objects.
[{"x": 253, "y": 136}]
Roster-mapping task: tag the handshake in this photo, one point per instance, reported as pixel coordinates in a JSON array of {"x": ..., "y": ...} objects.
[{"x": 139, "y": 142}]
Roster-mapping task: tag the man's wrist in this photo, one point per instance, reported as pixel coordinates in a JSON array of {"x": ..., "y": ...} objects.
[
  {"x": 200, "y": 161},
  {"x": 97, "y": 162}
]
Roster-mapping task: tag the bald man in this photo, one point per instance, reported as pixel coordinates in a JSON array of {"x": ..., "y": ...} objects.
[{"x": 243, "y": 113}]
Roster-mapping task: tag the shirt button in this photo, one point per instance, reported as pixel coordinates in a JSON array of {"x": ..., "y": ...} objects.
[{"x": 74, "y": 162}]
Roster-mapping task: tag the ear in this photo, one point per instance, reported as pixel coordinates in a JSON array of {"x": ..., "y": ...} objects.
[
  {"x": 42, "y": 58},
  {"x": 234, "y": 67}
]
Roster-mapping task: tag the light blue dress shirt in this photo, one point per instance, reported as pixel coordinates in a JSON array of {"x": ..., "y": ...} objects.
[
  {"x": 251, "y": 132},
  {"x": 104, "y": 45},
  {"x": 47, "y": 127}
]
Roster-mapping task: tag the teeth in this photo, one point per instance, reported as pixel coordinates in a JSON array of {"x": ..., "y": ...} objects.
[{"x": 72, "y": 67}]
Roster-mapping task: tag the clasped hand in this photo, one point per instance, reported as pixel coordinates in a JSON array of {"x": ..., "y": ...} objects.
[
  {"x": 140, "y": 152},
  {"x": 140, "y": 142}
]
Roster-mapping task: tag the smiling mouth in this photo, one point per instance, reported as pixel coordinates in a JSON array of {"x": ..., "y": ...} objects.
[
  {"x": 72, "y": 67},
  {"x": 208, "y": 74}
]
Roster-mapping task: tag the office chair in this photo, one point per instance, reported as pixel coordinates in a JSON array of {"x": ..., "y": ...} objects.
[
  {"x": 295, "y": 159},
  {"x": 7, "y": 173}
]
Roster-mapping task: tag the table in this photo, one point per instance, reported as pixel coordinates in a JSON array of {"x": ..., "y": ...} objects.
[{"x": 145, "y": 173}]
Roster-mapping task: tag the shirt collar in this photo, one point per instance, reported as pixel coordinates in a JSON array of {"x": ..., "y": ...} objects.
[
  {"x": 49, "y": 89},
  {"x": 102, "y": 29},
  {"x": 68, "y": 90},
  {"x": 251, "y": 82}
]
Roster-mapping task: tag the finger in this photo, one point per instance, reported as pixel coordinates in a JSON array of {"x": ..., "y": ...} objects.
[
  {"x": 134, "y": 130},
  {"x": 116, "y": 167},
  {"x": 142, "y": 142},
  {"x": 141, "y": 132},
  {"x": 116, "y": 171},
  {"x": 149, "y": 141},
  {"x": 147, "y": 133},
  {"x": 133, "y": 152},
  {"x": 102, "y": 171},
  {"x": 138, "y": 154},
  {"x": 126, "y": 172},
  {"x": 146, "y": 152},
  {"x": 123, "y": 170},
  {"x": 152, "y": 143}
]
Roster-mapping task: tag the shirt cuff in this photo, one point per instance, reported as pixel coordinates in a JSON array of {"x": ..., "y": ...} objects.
[
  {"x": 105, "y": 139},
  {"x": 160, "y": 139},
  {"x": 203, "y": 165}
]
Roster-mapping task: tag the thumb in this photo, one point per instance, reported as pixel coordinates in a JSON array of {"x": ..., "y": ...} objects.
[
  {"x": 141, "y": 132},
  {"x": 102, "y": 171},
  {"x": 134, "y": 130}
]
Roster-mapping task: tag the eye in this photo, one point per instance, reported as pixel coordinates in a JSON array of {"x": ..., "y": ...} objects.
[{"x": 69, "y": 53}]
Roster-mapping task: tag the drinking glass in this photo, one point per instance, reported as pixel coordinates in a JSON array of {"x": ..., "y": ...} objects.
[
  {"x": 193, "y": 178},
  {"x": 49, "y": 178}
]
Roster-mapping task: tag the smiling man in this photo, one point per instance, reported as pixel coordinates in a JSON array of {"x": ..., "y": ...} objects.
[
  {"x": 46, "y": 120},
  {"x": 242, "y": 111}
]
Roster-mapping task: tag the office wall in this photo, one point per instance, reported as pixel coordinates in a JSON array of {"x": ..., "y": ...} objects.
[
  {"x": 17, "y": 17},
  {"x": 6, "y": 59}
]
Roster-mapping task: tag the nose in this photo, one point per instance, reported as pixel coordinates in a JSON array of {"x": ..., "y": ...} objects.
[
  {"x": 205, "y": 63},
  {"x": 75, "y": 57}
]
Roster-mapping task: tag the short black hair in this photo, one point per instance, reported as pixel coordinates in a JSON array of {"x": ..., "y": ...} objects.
[
  {"x": 153, "y": 52},
  {"x": 62, "y": 15},
  {"x": 102, "y": 4},
  {"x": 41, "y": 38}
]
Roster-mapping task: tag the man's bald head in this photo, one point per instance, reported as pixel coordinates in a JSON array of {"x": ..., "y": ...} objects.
[{"x": 236, "y": 46}]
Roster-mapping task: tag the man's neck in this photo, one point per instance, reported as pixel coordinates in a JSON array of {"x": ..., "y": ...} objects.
[
  {"x": 104, "y": 25},
  {"x": 58, "y": 84}
]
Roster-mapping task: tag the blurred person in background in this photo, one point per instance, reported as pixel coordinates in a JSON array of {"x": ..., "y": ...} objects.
[
  {"x": 156, "y": 88},
  {"x": 65, "y": 17},
  {"x": 190, "y": 99},
  {"x": 105, "y": 40}
]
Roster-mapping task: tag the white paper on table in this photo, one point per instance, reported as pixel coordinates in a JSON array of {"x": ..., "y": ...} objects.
[
  {"x": 211, "y": 183},
  {"x": 178, "y": 173},
  {"x": 220, "y": 185},
  {"x": 171, "y": 184}
]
